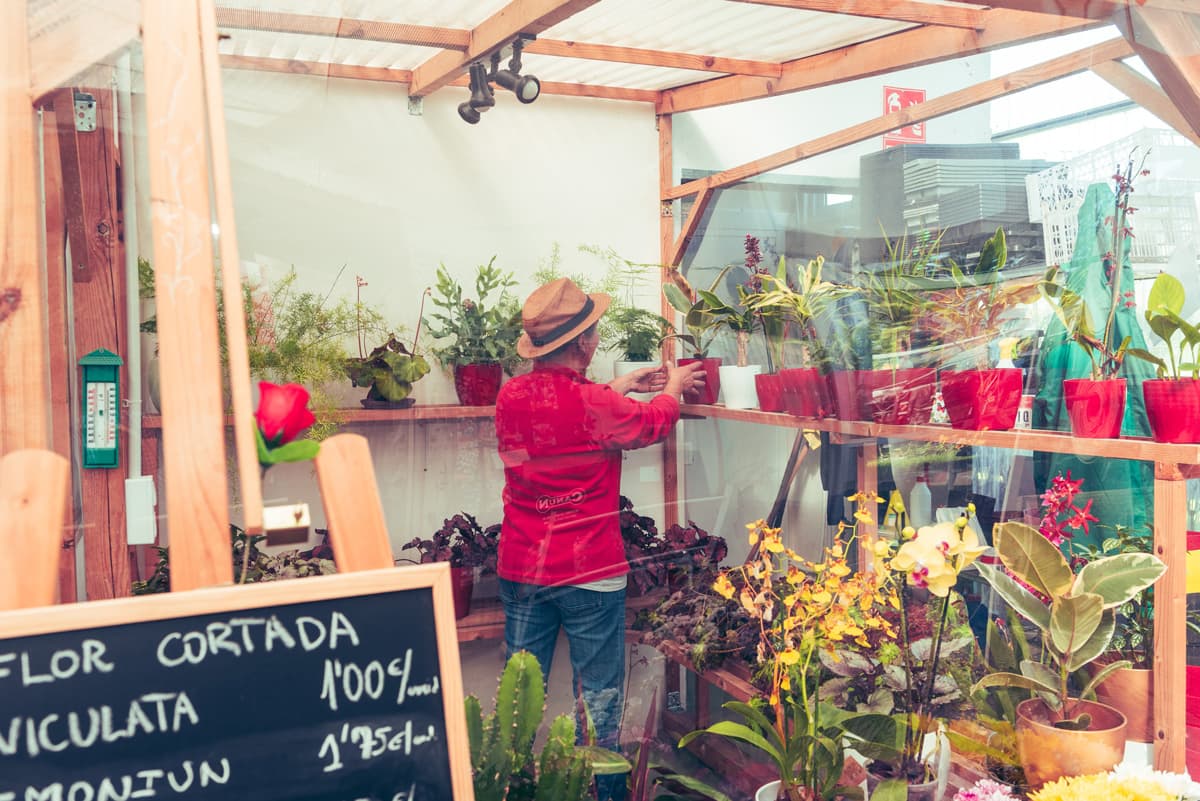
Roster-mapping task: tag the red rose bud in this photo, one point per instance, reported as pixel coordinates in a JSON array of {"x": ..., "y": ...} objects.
[{"x": 282, "y": 412}]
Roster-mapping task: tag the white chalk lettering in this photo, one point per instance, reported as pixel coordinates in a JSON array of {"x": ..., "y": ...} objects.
[
  {"x": 243, "y": 635},
  {"x": 5, "y": 672},
  {"x": 152, "y": 713},
  {"x": 64, "y": 664},
  {"x": 122, "y": 788},
  {"x": 28, "y": 677}
]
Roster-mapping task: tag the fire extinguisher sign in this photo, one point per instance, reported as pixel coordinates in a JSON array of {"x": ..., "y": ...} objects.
[{"x": 895, "y": 99}]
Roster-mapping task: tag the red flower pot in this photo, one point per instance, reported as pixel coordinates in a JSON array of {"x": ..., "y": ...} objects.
[
  {"x": 477, "y": 384},
  {"x": 982, "y": 400},
  {"x": 462, "y": 586},
  {"x": 1173, "y": 407},
  {"x": 712, "y": 382},
  {"x": 900, "y": 397},
  {"x": 1096, "y": 408},
  {"x": 770, "y": 391},
  {"x": 846, "y": 391},
  {"x": 800, "y": 391}
]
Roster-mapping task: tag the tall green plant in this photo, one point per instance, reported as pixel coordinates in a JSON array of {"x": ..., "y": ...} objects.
[
  {"x": 479, "y": 330},
  {"x": 781, "y": 306},
  {"x": 1077, "y": 624},
  {"x": 1162, "y": 314},
  {"x": 503, "y": 763}
]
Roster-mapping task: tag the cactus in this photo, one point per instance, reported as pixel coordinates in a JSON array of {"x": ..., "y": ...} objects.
[{"x": 502, "y": 759}]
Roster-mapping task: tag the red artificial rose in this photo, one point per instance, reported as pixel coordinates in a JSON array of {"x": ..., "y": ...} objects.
[{"x": 282, "y": 412}]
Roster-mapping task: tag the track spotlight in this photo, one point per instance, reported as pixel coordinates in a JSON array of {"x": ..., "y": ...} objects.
[
  {"x": 527, "y": 88},
  {"x": 467, "y": 113},
  {"x": 481, "y": 93}
]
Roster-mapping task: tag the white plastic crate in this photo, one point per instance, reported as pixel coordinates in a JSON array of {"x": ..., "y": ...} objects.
[{"x": 1165, "y": 200}]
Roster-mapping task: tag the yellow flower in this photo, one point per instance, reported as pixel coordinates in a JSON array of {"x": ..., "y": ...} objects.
[
  {"x": 927, "y": 559},
  {"x": 1103, "y": 786},
  {"x": 723, "y": 587},
  {"x": 789, "y": 657}
]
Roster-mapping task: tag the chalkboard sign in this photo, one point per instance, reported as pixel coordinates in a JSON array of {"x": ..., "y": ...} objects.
[{"x": 338, "y": 688}]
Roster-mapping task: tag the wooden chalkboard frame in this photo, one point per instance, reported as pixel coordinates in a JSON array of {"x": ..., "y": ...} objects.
[{"x": 436, "y": 577}]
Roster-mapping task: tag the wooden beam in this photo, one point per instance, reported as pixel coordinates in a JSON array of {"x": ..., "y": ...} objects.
[
  {"x": 1169, "y": 44},
  {"x": 90, "y": 166},
  {"x": 459, "y": 39},
  {"x": 954, "y": 101},
  {"x": 353, "y": 510},
  {"x": 688, "y": 230},
  {"x": 909, "y": 48},
  {"x": 1147, "y": 94},
  {"x": 1082, "y": 9},
  {"x": 33, "y": 497},
  {"x": 67, "y": 38},
  {"x": 185, "y": 298},
  {"x": 519, "y": 16},
  {"x": 24, "y": 419},
  {"x": 1170, "y": 619},
  {"x": 326, "y": 70},
  {"x": 343, "y": 28},
  {"x": 899, "y": 10},
  {"x": 59, "y": 337},
  {"x": 244, "y": 425}
]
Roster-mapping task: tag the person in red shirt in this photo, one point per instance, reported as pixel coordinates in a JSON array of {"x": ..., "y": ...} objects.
[{"x": 562, "y": 562}]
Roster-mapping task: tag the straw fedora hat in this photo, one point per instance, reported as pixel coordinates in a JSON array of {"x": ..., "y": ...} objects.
[{"x": 555, "y": 314}]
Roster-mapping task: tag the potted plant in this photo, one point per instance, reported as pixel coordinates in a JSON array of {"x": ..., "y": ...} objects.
[
  {"x": 965, "y": 318},
  {"x": 1096, "y": 405},
  {"x": 701, "y": 327},
  {"x": 640, "y": 333},
  {"x": 468, "y": 548},
  {"x": 1059, "y": 734},
  {"x": 784, "y": 308},
  {"x": 711, "y": 313},
  {"x": 390, "y": 369},
  {"x": 483, "y": 332},
  {"x": 1172, "y": 399},
  {"x": 1129, "y": 689},
  {"x": 643, "y": 550},
  {"x": 799, "y": 609}
]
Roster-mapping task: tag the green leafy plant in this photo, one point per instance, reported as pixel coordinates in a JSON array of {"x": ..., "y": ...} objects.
[
  {"x": 503, "y": 763},
  {"x": 1133, "y": 638},
  {"x": 781, "y": 306},
  {"x": 1077, "y": 624},
  {"x": 641, "y": 333},
  {"x": 390, "y": 369},
  {"x": 479, "y": 330},
  {"x": 1162, "y": 314},
  {"x": 894, "y": 291}
]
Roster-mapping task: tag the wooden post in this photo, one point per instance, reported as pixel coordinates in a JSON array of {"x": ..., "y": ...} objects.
[
  {"x": 868, "y": 481},
  {"x": 353, "y": 509},
  {"x": 24, "y": 413},
  {"x": 185, "y": 297},
  {"x": 33, "y": 497},
  {"x": 89, "y": 165},
  {"x": 666, "y": 238},
  {"x": 1170, "y": 619}
]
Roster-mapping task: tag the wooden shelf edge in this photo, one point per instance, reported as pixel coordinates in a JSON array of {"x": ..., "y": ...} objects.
[
  {"x": 418, "y": 413},
  {"x": 1137, "y": 448}
]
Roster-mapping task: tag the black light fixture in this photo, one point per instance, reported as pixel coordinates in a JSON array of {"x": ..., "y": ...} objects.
[
  {"x": 527, "y": 88},
  {"x": 482, "y": 97}
]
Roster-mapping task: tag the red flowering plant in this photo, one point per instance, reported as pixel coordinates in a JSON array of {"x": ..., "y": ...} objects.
[
  {"x": 1061, "y": 517},
  {"x": 282, "y": 416}
]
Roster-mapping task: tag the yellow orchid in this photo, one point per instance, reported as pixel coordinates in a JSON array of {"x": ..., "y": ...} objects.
[{"x": 935, "y": 556}]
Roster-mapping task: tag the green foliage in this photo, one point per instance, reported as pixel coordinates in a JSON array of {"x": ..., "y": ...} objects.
[
  {"x": 389, "y": 370},
  {"x": 641, "y": 333},
  {"x": 1162, "y": 314},
  {"x": 782, "y": 306},
  {"x": 254, "y": 566},
  {"x": 1134, "y": 634},
  {"x": 894, "y": 291},
  {"x": 480, "y": 330},
  {"x": 503, "y": 763},
  {"x": 146, "y": 292},
  {"x": 1072, "y": 311},
  {"x": 1078, "y": 623},
  {"x": 298, "y": 337}
]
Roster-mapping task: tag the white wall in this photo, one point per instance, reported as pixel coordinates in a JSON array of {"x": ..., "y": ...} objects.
[{"x": 337, "y": 172}]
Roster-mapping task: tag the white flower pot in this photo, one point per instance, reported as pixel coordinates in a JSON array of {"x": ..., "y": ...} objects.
[
  {"x": 737, "y": 386},
  {"x": 768, "y": 792},
  {"x": 621, "y": 368}
]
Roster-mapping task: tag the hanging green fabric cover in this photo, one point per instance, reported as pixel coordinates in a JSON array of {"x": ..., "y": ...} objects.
[{"x": 1121, "y": 490}]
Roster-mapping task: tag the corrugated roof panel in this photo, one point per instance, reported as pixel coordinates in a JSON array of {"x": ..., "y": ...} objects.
[{"x": 442, "y": 13}]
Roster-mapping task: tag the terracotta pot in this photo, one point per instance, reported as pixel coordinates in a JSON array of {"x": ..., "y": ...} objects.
[
  {"x": 770, "y": 391},
  {"x": 462, "y": 586},
  {"x": 902, "y": 396},
  {"x": 1048, "y": 753},
  {"x": 1173, "y": 407},
  {"x": 1096, "y": 408},
  {"x": 1130, "y": 691},
  {"x": 712, "y": 382},
  {"x": 982, "y": 400},
  {"x": 477, "y": 384},
  {"x": 846, "y": 390}
]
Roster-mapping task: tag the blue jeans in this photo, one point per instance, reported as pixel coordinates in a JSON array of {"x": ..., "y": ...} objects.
[{"x": 595, "y": 626}]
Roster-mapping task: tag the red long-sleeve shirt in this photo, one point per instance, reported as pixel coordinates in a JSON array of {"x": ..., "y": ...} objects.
[{"x": 560, "y": 439}]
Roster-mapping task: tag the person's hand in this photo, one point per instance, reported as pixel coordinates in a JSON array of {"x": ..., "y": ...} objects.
[
  {"x": 643, "y": 379},
  {"x": 684, "y": 378}
]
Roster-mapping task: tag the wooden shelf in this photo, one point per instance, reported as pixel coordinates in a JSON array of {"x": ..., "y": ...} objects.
[
  {"x": 1046, "y": 441},
  {"x": 417, "y": 413}
]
